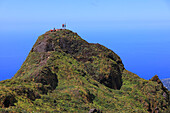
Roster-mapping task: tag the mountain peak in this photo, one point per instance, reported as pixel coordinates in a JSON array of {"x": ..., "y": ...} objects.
[
  {"x": 71, "y": 44},
  {"x": 51, "y": 41},
  {"x": 64, "y": 73}
]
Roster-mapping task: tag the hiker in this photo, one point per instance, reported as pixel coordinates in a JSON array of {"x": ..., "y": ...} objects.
[
  {"x": 64, "y": 26},
  {"x": 54, "y": 29}
]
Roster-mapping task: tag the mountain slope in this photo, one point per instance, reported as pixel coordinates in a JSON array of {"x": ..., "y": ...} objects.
[
  {"x": 66, "y": 42},
  {"x": 64, "y": 73}
]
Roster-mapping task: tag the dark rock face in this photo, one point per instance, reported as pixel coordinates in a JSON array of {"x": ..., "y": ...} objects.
[
  {"x": 114, "y": 80},
  {"x": 7, "y": 100},
  {"x": 46, "y": 77},
  {"x": 85, "y": 52},
  {"x": 44, "y": 46}
]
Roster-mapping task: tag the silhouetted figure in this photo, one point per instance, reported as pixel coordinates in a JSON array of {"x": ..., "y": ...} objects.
[
  {"x": 64, "y": 26},
  {"x": 54, "y": 30}
]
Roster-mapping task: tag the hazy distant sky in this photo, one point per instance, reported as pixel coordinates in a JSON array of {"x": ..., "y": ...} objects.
[
  {"x": 137, "y": 30},
  {"x": 45, "y": 11}
]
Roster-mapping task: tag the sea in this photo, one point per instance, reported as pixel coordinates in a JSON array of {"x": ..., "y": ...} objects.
[{"x": 144, "y": 51}]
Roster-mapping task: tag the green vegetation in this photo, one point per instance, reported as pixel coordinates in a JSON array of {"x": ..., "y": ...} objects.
[{"x": 64, "y": 73}]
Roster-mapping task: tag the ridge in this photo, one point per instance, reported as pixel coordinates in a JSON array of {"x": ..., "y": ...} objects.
[{"x": 64, "y": 73}]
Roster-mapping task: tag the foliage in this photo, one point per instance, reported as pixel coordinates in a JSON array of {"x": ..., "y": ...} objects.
[{"x": 74, "y": 76}]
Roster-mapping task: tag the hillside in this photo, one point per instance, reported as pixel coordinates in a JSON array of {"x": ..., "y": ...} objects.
[
  {"x": 64, "y": 73},
  {"x": 166, "y": 83}
]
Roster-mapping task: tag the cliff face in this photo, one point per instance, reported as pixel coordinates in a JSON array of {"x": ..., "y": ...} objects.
[
  {"x": 65, "y": 73},
  {"x": 99, "y": 62}
]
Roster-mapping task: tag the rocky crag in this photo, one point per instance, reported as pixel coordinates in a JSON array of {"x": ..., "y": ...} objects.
[{"x": 64, "y": 73}]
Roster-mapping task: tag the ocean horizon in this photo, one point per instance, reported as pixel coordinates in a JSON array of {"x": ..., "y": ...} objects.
[{"x": 144, "y": 52}]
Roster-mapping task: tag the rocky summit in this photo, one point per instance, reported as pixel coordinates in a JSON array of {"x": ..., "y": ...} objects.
[{"x": 64, "y": 73}]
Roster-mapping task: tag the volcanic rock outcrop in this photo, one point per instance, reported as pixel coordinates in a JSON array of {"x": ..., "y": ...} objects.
[
  {"x": 100, "y": 63},
  {"x": 64, "y": 73}
]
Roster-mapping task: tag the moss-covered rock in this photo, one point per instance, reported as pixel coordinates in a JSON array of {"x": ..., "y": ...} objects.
[
  {"x": 99, "y": 62},
  {"x": 64, "y": 73},
  {"x": 7, "y": 99}
]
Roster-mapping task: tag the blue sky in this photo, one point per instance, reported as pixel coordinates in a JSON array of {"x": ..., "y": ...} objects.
[{"x": 137, "y": 30}]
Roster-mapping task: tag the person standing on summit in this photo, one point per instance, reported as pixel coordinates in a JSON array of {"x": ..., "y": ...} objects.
[{"x": 64, "y": 26}]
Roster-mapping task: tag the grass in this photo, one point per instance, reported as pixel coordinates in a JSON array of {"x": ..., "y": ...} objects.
[{"x": 79, "y": 67}]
